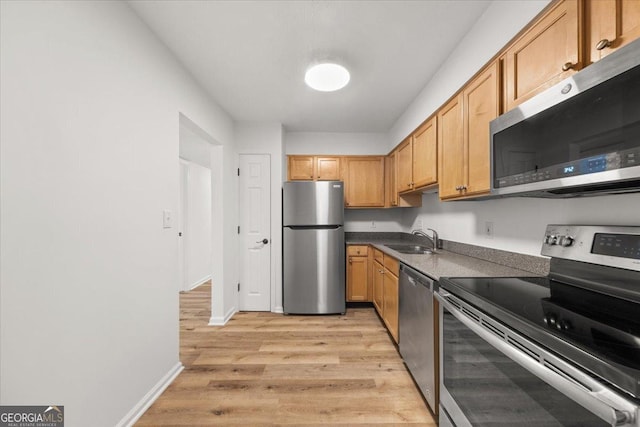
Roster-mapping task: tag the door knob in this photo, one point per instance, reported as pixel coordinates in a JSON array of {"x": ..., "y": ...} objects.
[{"x": 263, "y": 241}]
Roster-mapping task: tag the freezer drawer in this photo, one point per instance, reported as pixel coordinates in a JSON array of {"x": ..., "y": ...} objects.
[{"x": 314, "y": 270}]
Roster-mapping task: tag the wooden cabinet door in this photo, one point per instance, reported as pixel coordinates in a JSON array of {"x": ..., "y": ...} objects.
[
  {"x": 357, "y": 278},
  {"x": 328, "y": 169},
  {"x": 481, "y": 105},
  {"x": 301, "y": 168},
  {"x": 364, "y": 181},
  {"x": 378, "y": 287},
  {"x": 404, "y": 163},
  {"x": 390, "y": 304},
  {"x": 548, "y": 52},
  {"x": 451, "y": 148},
  {"x": 391, "y": 196},
  {"x": 425, "y": 150},
  {"x": 610, "y": 24}
]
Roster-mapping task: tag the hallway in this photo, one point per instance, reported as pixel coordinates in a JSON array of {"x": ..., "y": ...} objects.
[{"x": 270, "y": 369}]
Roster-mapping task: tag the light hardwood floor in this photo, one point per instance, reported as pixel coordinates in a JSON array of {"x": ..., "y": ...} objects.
[{"x": 270, "y": 369}]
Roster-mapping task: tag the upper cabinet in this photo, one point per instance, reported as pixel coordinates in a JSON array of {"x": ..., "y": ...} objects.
[
  {"x": 451, "y": 140},
  {"x": 481, "y": 104},
  {"x": 364, "y": 181},
  {"x": 417, "y": 160},
  {"x": 390, "y": 191},
  {"x": 549, "y": 51},
  {"x": 425, "y": 150},
  {"x": 464, "y": 136},
  {"x": 392, "y": 198},
  {"x": 610, "y": 24},
  {"x": 314, "y": 168},
  {"x": 404, "y": 168}
]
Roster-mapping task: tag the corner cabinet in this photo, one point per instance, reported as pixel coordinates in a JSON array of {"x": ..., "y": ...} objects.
[
  {"x": 314, "y": 168},
  {"x": 549, "y": 51},
  {"x": 364, "y": 182},
  {"x": 610, "y": 24}
]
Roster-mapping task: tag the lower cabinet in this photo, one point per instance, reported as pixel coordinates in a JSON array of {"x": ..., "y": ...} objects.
[
  {"x": 372, "y": 276},
  {"x": 385, "y": 290},
  {"x": 378, "y": 286},
  {"x": 391, "y": 292},
  {"x": 358, "y": 274}
]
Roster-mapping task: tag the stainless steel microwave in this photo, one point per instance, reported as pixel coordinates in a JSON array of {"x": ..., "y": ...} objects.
[{"x": 579, "y": 137}]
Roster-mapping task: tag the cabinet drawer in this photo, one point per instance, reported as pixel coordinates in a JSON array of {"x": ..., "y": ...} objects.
[
  {"x": 357, "y": 250},
  {"x": 392, "y": 265},
  {"x": 378, "y": 255}
]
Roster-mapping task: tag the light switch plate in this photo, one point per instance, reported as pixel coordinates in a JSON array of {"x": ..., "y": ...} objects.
[{"x": 167, "y": 219}]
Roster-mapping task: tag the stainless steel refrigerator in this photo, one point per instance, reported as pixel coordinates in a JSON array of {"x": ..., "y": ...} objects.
[{"x": 313, "y": 247}]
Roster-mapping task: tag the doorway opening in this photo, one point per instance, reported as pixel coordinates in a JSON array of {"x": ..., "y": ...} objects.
[{"x": 200, "y": 212}]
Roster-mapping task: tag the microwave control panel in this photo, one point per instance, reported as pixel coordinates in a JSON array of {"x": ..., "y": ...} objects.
[{"x": 594, "y": 164}]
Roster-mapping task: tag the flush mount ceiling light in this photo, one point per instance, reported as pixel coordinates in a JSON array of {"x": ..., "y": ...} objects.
[{"x": 327, "y": 77}]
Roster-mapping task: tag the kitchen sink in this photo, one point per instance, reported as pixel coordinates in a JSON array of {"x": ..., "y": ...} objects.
[{"x": 410, "y": 249}]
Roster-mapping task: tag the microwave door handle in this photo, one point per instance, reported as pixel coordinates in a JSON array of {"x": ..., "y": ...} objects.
[{"x": 575, "y": 384}]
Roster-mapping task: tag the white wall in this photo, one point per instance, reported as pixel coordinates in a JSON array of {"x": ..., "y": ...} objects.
[
  {"x": 197, "y": 236},
  {"x": 373, "y": 220},
  {"x": 519, "y": 222},
  {"x": 90, "y": 105},
  {"x": 502, "y": 20},
  {"x": 267, "y": 138},
  {"x": 335, "y": 143}
]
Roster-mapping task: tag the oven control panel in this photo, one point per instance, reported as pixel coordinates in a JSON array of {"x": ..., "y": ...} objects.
[{"x": 614, "y": 246}]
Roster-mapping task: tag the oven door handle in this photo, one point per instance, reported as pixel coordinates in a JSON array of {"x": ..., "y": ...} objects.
[{"x": 565, "y": 378}]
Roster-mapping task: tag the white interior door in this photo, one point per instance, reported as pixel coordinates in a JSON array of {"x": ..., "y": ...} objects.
[{"x": 255, "y": 233}]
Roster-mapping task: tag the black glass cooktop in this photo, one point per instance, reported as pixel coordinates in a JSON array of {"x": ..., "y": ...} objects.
[{"x": 601, "y": 333}]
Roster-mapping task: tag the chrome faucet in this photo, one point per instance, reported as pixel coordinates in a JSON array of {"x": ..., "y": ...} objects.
[{"x": 435, "y": 241}]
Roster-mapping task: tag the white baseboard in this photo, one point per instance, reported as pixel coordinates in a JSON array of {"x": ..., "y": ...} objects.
[
  {"x": 199, "y": 282},
  {"x": 221, "y": 321},
  {"x": 140, "y": 408},
  {"x": 278, "y": 309}
]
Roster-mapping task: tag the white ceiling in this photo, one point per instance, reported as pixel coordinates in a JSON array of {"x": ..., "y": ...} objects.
[{"x": 251, "y": 55}]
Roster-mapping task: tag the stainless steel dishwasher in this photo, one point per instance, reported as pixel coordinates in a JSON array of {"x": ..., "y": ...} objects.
[{"x": 417, "y": 330}]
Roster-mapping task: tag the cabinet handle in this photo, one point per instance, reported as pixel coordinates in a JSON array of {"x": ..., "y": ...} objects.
[
  {"x": 602, "y": 44},
  {"x": 349, "y": 260},
  {"x": 567, "y": 66},
  {"x": 463, "y": 187},
  {"x": 311, "y": 176},
  {"x": 409, "y": 185},
  {"x": 458, "y": 187}
]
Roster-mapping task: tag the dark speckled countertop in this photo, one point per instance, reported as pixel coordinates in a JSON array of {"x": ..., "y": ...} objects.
[{"x": 446, "y": 263}]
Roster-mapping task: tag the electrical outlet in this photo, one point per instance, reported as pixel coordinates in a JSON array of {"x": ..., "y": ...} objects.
[{"x": 488, "y": 229}]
